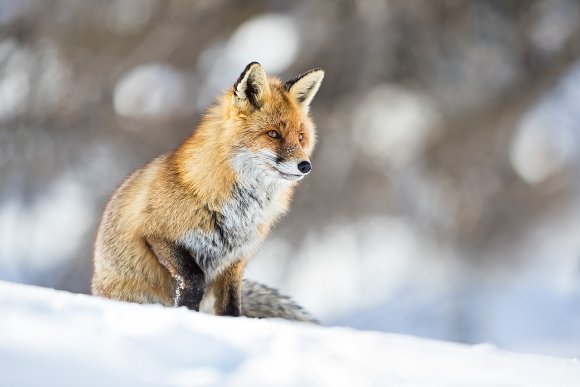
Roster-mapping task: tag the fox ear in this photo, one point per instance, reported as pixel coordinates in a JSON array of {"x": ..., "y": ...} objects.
[
  {"x": 305, "y": 86},
  {"x": 251, "y": 87}
]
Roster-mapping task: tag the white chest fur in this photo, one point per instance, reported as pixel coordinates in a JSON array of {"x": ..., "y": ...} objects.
[{"x": 235, "y": 233}]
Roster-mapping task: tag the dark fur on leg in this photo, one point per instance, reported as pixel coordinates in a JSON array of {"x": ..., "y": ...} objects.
[
  {"x": 188, "y": 275},
  {"x": 227, "y": 289}
]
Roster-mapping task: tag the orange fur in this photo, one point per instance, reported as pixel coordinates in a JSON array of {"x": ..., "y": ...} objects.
[{"x": 181, "y": 193}]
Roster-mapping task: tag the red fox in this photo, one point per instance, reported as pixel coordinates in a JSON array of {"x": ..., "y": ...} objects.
[{"x": 180, "y": 230}]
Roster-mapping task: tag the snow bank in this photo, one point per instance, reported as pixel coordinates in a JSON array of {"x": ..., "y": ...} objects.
[{"x": 54, "y": 338}]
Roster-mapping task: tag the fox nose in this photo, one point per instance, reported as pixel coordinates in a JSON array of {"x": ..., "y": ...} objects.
[{"x": 304, "y": 166}]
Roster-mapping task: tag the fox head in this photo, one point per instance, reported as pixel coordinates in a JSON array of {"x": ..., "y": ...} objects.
[{"x": 270, "y": 123}]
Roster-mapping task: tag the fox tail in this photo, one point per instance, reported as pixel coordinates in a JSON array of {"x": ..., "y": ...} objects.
[{"x": 261, "y": 301}]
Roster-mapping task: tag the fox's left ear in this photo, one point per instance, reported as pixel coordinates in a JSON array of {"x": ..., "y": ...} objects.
[
  {"x": 252, "y": 88},
  {"x": 305, "y": 86}
]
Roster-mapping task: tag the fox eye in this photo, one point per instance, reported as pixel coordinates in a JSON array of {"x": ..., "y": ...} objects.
[
  {"x": 301, "y": 137},
  {"x": 274, "y": 134}
]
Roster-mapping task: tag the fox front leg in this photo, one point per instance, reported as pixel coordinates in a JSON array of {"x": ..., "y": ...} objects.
[
  {"x": 179, "y": 262},
  {"x": 226, "y": 290}
]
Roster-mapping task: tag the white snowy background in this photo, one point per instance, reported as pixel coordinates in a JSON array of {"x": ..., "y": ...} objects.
[{"x": 444, "y": 201}]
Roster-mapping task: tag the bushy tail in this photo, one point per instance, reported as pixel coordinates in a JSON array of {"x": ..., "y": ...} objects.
[{"x": 261, "y": 301}]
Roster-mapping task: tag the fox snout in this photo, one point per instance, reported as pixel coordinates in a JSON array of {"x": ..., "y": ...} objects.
[
  {"x": 292, "y": 159},
  {"x": 300, "y": 167},
  {"x": 290, "y": 169}
]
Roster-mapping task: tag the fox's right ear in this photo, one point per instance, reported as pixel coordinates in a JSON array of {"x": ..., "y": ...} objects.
[
  {"x": 251, "y": 88},
  {"x": 305, "y": 86}
]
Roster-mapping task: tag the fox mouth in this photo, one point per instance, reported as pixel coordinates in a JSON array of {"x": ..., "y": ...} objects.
[{"x": 287, "y": 176}]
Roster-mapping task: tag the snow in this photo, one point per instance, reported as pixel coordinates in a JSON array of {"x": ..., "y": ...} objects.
[
  {"x": 400, "y": 123},
  {"x": 278, "y": 43},
  {"x": 553, "y": 23},
  {"x": 544, "y": 144},
  {"x": 129, "y": 17},
  {"x": 154, "y": 90},
  {"x": 546, "y": 140},
  {"x": 54, "y": 338},
  {"x": 65, "y": 210},
  {"x": 30, "y": 79},
  {"x": 14, "y": 85}
]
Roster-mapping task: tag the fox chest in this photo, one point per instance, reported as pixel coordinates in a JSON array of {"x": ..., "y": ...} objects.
[{"x": 235, "y": 229}]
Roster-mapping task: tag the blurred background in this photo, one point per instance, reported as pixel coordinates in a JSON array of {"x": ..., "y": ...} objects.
[{"x": 445, "y": 196}]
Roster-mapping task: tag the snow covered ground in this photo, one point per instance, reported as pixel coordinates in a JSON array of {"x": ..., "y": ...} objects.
[{"x": 55, "y": 338}]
